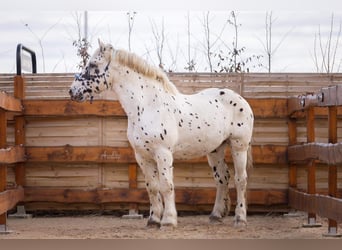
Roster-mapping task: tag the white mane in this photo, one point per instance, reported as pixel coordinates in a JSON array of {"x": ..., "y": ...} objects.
[{"x": 141, "y": 66}]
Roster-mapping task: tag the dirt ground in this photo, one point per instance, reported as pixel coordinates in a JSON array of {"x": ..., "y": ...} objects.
[{"x": 261, "y": 226}]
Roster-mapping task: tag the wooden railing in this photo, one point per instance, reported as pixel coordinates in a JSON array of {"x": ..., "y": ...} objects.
[
  {"x": 327, "y": 102},
  {"x": 11, "y": 154}
]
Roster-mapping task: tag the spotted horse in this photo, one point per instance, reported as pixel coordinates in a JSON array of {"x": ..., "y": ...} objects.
[{"x": 165, "y": 125}]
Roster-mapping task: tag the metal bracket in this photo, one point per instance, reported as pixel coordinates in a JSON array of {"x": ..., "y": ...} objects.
[
  {"x": 20, "y": 214},
  {"x": 4, "y": 229},
  {"x": 332, "y": 232},
  {"x": 312, "y": 223},
  {"x": 133, "y": 214}
]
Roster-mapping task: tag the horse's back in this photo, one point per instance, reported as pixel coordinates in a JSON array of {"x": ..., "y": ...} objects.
[{"x": 208, "y": 118}]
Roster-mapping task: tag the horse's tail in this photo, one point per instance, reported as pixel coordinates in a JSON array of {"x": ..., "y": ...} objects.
[{"x": 249, "y": 158}]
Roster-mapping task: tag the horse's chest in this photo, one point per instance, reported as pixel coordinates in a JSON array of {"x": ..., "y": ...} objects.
[{"x": 150, "y": 131}]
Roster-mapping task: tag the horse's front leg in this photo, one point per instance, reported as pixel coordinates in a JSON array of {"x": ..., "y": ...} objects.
[
  {"x": 164, "y": 160},
  {"x": 150, "y": 171}
]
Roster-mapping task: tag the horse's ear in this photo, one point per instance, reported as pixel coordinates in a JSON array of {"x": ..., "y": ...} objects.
[{"x": 101, "y": 44}]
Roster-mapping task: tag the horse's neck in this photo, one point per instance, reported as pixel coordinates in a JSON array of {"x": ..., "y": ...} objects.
[{"x": 134, "y": 92}]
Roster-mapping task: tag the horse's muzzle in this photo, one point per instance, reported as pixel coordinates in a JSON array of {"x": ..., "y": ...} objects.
[{"x": 76, "y": 97}]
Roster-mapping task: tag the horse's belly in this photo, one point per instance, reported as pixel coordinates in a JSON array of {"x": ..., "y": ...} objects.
[
  {"x": 193, "y": 149},
  {"x": 188, "y": 154}
]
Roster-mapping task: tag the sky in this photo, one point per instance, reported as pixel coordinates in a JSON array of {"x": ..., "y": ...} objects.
[{"x": 51, "y": 30}]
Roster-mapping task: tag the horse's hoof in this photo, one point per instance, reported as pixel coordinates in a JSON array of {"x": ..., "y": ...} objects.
[
  {"x": 167, "y": 226},
  {"x": 240, "y": 223},
  {"x": 213, "y": 219},
  {"x": 153, "y": 224}
]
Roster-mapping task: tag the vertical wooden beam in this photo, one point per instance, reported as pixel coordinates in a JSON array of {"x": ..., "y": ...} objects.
[
  {"x": 311, "y": 177},
  {"x": 133, "y": 173},
  {"x": 3, "y": 128},
  {"x": 19, "y": 127},
  {"x": 332, "y": 175},
  {"x": 3, "y": 177},
  {"x": 19, "y": 92},
  {"x": 133, "y": 184},
  {"x": 3, "y": 168},
  {"x": 292, "y": 131}
]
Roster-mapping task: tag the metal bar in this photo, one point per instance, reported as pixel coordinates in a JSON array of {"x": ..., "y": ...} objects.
[{"x": 20, "y": 48}]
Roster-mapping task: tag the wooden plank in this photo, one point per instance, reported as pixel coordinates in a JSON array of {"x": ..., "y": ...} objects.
[
  {"x": 56, "y": 175},
  {"x": 320, "y": 112},
  {"x": 116, "y": 176},
  {"x": 71, "y": 154},
  {"x": 9, "y": 103},
  {"x": 266, "y": 154},
  {"x": 71, "y": 108},
  {"x": 56, "y": 131},
  {"x": 189, "y": 196},
  {"x": 12, "y": 155},
  {"x": 268, "y": 107},
  {"x": 261, "y": 107},
  {"x": 269, "y": 154},
  {"x": 53, "y": 131},
  {"x": 326, "y": 153},
  {"x": 250, "y": 85},
  {"x": 324, "y": 206},
  {"x": 9, "y": 198}
]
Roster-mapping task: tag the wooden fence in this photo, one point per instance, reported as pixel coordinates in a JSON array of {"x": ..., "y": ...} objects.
[
  {"x": 328, "y": 100},
  {"x": 76, "y": 156},
  {"x": 14, "y": 154}
]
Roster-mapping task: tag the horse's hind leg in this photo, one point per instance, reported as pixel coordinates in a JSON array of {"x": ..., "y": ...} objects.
[
  {"x": 239, "y": 150},
  {"x": 150, "y": 171},
  {"x": 221, "y": 176}
]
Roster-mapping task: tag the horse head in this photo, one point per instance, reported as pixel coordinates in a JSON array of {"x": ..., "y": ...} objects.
[{"x": 95, "y": 77}]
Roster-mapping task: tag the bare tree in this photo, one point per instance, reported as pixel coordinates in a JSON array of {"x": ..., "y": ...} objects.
[
  {"x": 235, "y": 24},
  {"x": 325, "y": 52},
  {"x": 269, "y": 48},
  {"x": 41, "y": 38},
  {"x": 211, "y": 40},
  {"x": 207, "y": 40},
  {"x": 232, "y": 59},
  {"x": 173, "y": 55},
  {"x": 130, "y": 18},
  {"x": 159, "y": 40},
  {"x": 190, "y": 64}
]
